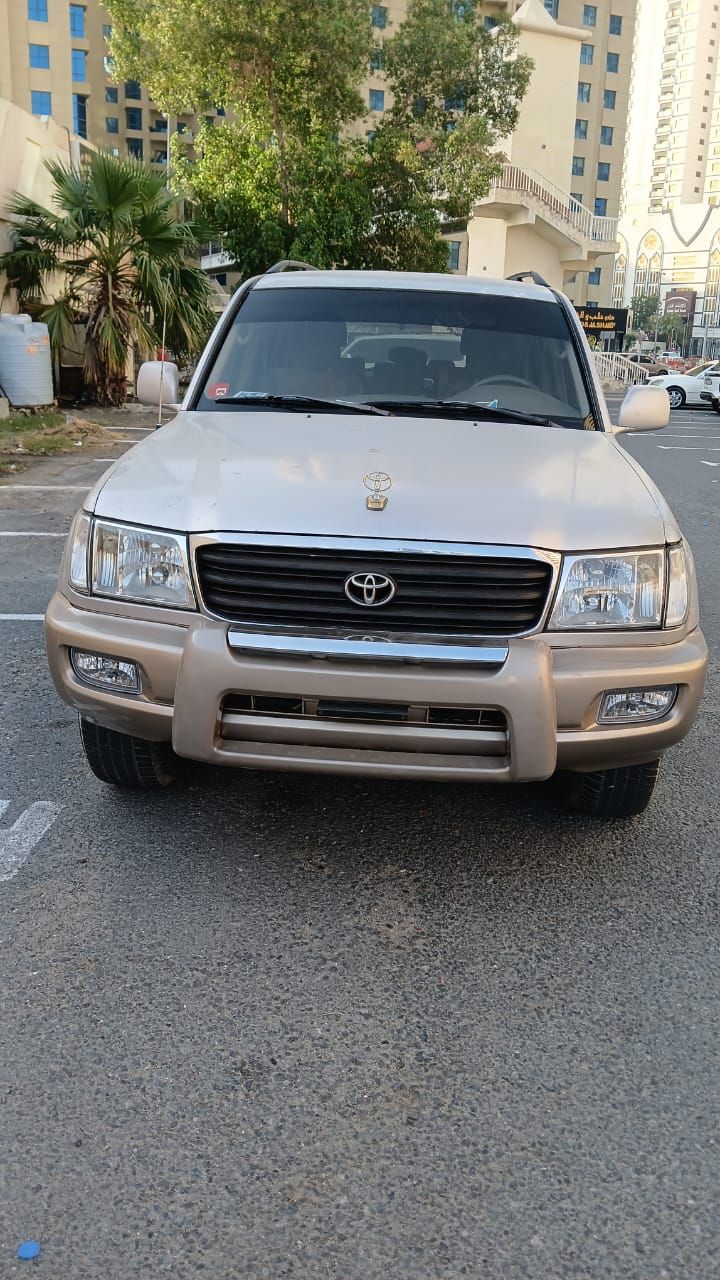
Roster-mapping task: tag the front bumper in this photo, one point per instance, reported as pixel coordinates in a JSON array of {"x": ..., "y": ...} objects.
[{"x": 549, "y": 694}]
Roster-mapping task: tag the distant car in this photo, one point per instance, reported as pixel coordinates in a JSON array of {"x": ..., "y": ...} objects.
[
  {"x": 649, "y": 364},
  {"x": 711, "y": 390},
  {"x": 693, "y": 387}
]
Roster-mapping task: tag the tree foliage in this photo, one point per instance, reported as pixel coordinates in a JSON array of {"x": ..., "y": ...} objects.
[
  {"x": 295, "y": 171},
  {"x": 109, "y": 254},
  {"x": 645, "y": 311}
]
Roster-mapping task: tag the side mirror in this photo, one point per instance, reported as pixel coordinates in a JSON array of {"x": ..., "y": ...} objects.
[
  {"x": 158, "y": 378},
  {"x": 644, "y": 409}
]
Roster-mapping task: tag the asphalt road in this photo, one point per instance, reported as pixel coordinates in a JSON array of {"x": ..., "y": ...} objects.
[{"x": 286, "y": 1027}]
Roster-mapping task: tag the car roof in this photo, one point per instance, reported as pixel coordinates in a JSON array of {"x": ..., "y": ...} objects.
[{"x": 425, "y": 282}]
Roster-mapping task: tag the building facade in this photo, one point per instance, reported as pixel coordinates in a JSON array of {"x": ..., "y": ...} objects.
[
  {"x": 669, "y": 232},
  {"x": 55, "y": 63}
]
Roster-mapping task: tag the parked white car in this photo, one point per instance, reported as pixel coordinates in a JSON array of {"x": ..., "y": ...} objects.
[{"x": 691, "y": 387}]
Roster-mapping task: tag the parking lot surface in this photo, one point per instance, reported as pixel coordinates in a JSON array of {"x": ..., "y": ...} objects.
[{"x": 276, "y": 1026}]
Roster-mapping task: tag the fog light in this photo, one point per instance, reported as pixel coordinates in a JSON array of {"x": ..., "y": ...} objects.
[
  {"x": 625, "y": 706},
  {"x": 104, "y": 672}
]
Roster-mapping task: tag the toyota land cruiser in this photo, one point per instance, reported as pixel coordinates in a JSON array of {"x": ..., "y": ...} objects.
[{"x": 390, "y": 531}]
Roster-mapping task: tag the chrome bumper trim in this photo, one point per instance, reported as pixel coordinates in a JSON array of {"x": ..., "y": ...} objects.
[{"x": 488, "y": 654}]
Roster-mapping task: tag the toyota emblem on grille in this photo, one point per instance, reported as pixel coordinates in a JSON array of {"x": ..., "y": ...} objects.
[{"x": 369, "y": 589}]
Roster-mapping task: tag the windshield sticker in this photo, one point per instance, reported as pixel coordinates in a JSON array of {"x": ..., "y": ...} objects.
[{"x": 218, "y": 390}]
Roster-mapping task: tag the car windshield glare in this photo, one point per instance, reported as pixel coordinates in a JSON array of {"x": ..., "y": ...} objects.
[{"x": 364, "y": 345}]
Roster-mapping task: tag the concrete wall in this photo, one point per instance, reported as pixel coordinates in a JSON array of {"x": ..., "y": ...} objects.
[{"x": 25, "y": 143}]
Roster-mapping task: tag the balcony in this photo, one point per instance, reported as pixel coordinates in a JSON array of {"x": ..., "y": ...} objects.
[{"x": 521, "y": 195}]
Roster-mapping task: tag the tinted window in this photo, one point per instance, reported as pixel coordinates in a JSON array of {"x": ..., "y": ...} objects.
[{"x": 395, "y": 344}]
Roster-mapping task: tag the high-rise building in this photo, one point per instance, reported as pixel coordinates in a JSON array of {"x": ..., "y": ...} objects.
[{"x": 669, "y": 232}]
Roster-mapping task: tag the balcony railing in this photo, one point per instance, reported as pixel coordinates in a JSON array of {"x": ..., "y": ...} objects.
[
  {"x": 613, "y": 367},
  {"x": 528, "y": 183}
]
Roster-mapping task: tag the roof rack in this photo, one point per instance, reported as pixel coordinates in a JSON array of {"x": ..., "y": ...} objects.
[
  {"x": 530, "y": 275},
  {"x": 289, "y": 264}
]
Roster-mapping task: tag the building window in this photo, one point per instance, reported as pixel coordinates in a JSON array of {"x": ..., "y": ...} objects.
[
  {"x": 453, "y": 255},
  {"x": 40, "y": 103},
  {"x": 490, "y": 23},
  {"x": 615, "y": 24},
  {"x": 133, "y": 118},
  {"x": 613, "y": 62},
  {"x": 376, "y": 99},
  {"x": 457, "y": 102},
  {"x": 594, "y": 276},
  {"x": 159, "y": 157},
  {"x": 107, "y": 31},
  {"x": 581, "y": 129},
  {"x": 111, "y": 93},
  {"x": 112, "y": 124},
  {"x": 77, "y": 21},
  {"x": 576, "y": 196},
  {"x": 80, "y": 115},
  {"x": 586, "y": 54},
  {"x": 379, "y": 15},
  {"x": 135, "y": 148},
  {"x": 606, "y": 135},
  {"x": 583, "y": 91},
  {"x": 78, "y": 62},
  {"x": 132, "y": 89},
  {"x": 377, "y": 60},
  {"x": 603, "y": 172},
  {"x": 37, "y": 11},
  {"x": 600, "y": 207},
  {"x": 618, "y": 284},
  {"x": 40, "y": 56},
  {"x": 578, "y": 166},
  {"x": 552, "y": 7},
  {"x": 609, "y": 97},
  {"x": 589, "y": 15}
]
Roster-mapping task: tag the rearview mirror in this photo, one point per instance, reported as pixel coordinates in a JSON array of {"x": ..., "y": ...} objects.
[
  {"x": 159, "y": 380},
  {"x": 644, "y": 409}
]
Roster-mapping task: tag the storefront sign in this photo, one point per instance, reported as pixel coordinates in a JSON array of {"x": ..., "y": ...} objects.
[
  {"x": 681, "y": 302},
  {"x": 603, "y": 319}
]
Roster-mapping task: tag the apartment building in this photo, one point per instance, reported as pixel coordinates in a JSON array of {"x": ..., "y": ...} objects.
[
  {"x": 54, "y": 62},
  {"x": 669, "y": 231}
]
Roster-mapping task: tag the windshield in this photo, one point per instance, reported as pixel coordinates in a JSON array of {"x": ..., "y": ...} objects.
[
  {"x": 366, "y": 346},
  {"x": 699, "y": 368}
]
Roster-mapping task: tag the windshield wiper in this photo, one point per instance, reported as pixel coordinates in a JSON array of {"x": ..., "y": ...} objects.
[
  {"x": 463, "y": 409},
  {"x": 297, "y": 403}
]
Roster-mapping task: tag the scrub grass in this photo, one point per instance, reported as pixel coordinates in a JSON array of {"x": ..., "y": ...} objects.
[{"x": 44, "y": 434}]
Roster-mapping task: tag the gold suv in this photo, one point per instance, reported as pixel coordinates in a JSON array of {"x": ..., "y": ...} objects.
[{"x": 390, "y": 531}]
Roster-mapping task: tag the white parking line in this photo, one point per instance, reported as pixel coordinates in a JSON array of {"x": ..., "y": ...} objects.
[
  {"x": 689, "y": 448},
  {"x": 18, "y": 842},
  {"x": 28, "y": 533},
  {"x": 47, "y": 488},
  {"x": 703, "y": 463},
  {"x": 28, "y": 617}
]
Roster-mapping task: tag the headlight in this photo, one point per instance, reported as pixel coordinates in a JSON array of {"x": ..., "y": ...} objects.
[
  {"x": 608, "y": 591},
  {"x": 656, "y": 382},
  {"x": 141, "y": 564},
  {"x": 678, "y": 595}
]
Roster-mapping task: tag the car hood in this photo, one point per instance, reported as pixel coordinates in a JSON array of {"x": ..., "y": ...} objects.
[{"x": 452, "y": 481}]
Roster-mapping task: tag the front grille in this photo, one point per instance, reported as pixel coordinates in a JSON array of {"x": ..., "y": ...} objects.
[
  {"x": 434, "y": 594},
  {"x": 349, "y": 709}
]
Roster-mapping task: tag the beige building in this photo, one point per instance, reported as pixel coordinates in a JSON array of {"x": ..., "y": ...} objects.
[
  {"x": 569, "y": 144},
  {"x": 54, "y": 62}
]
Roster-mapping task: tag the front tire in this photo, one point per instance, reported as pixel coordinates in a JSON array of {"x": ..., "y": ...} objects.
[
  {"x": 677, "y": 397},
  {"x": 124, "y": 761},
  {"x": 611, "y": 793}
]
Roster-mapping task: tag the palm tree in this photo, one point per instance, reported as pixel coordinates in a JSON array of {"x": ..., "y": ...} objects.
[{"x": 109, "y": 254}]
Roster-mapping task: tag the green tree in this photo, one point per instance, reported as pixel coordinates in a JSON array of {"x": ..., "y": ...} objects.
[
  {"x": 646, "y": 311},
  {"x": 671, "y": 327},
  {"x": 288, "y": 175},
  {"x": 110, "y": 254}
]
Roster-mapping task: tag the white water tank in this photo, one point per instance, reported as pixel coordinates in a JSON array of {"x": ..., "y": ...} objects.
[{"x": 25, "y": 362}]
